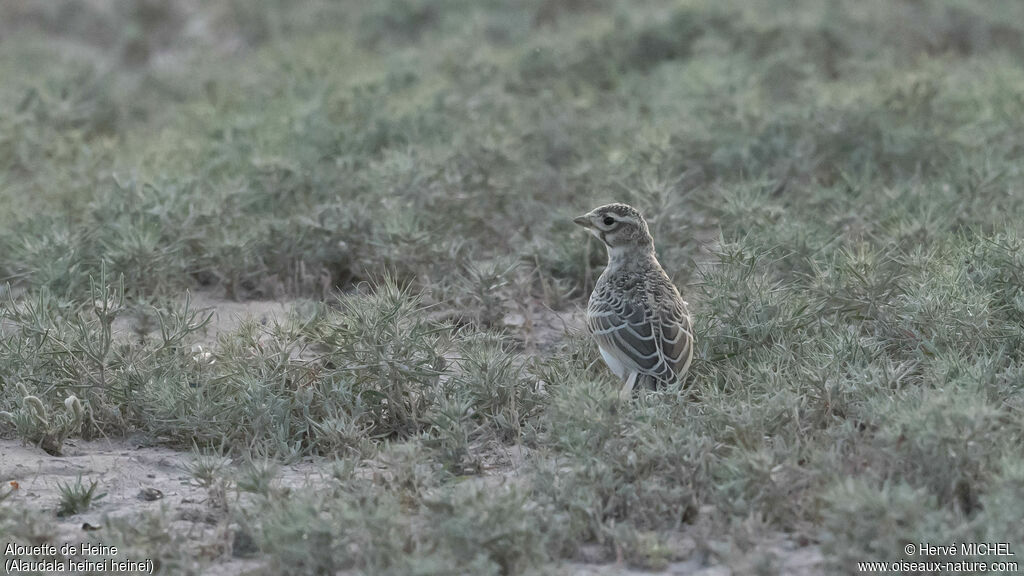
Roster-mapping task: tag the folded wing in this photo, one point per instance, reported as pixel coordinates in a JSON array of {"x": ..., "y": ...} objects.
[{"x": 656, "y": 342}]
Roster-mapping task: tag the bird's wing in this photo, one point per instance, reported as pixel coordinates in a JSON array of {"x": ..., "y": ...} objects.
[{"x": 653, "y": 342}]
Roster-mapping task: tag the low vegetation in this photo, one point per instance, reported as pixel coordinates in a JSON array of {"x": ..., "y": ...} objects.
[{"x": 834, "y": 186}]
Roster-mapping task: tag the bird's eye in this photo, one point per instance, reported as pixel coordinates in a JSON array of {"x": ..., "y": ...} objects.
[{"x": 608, "y": 220}]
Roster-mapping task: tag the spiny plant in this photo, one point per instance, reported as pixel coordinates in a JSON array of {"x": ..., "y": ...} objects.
[
  {"x": 480, "y": 285},
  {"x": 76, "y": 498},
  {"x": 454, "y": 432},
  {"x": 854, "y": 173},
  {"x": 384, "y": 351},
  {"x": 206, "y": 467},
  {"x": 499, "y": 390},
  {"x": 72, "y": 345},
  {"x": 257, "y": 476}
]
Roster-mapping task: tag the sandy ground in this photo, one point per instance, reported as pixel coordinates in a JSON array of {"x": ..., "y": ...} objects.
[
  {"x": 136, "y": 479},
  {"x": 131, "y": 475},
  {"x": 227, "y": 316}
]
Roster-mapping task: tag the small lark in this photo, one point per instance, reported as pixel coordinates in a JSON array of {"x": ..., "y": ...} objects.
[{"x": 635, "y": 313}]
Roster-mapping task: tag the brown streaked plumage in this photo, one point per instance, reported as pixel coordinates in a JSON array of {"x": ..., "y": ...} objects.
[{"x": 635, "y": 313}]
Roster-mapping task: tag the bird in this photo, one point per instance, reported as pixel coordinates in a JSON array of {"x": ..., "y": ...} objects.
[{"x": 636, "y": 315}]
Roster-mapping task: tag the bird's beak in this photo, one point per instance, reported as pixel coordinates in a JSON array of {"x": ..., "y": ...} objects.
[{"x": 583, "y": 221}]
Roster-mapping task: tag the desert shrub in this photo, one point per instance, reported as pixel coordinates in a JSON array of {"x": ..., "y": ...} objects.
[
  {"x": 61, "y": 349},
  {"x": 836, "y": 194},
  {"x": 619, "y": 469},
  {"x": 869, "y": 520},
  {"x": 500, "y": 391},
  {"x": 391, "y": 526},
  {"x": 390, "y": 354},
  {"x": 401, "y": 21}
]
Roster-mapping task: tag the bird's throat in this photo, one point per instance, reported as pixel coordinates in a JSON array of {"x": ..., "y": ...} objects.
[{"x": 625, "y": 256}]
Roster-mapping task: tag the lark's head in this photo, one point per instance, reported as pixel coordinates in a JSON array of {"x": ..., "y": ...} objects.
[{"x": 620, "y": 227}]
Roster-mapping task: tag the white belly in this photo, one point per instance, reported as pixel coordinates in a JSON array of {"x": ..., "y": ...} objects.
[{"x": 613, "y": 364}]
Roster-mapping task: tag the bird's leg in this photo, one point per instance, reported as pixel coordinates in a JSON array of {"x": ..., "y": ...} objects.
[{"x": 627, "y": 387}]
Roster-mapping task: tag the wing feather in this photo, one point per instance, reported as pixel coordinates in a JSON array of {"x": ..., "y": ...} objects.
[{"x": 658, "y": 345}]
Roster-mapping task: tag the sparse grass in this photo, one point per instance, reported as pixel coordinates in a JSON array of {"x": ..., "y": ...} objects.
[
  {"x": 835, "y": 187},
  {"x": 206, "y": 468},
  {"x": 77, "y": 498}
]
